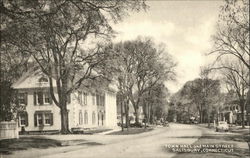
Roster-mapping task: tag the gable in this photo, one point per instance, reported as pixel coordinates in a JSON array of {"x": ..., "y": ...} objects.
[{"x": 32, "y": 79}]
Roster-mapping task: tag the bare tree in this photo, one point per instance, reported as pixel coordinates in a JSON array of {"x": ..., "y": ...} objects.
[
  {"x": 232, "y": 36},
  {"x": 235, "y": 82}
]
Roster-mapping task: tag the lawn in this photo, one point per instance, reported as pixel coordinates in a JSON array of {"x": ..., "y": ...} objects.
[
  {"x": 131, "y": 131},
  {"x": 94, "y": 131},
  {"x": 7, "y": 146}
]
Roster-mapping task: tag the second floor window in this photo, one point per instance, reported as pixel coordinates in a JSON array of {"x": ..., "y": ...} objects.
[
  {"x": 100, "y": 100},
  {"x": 85, "y": 98},
  {"x": 42, "y": 98},
  {"x": 93, "y": 98},
  {"x": 22, "y": 98},
  {"x": 82, "y": 97}
]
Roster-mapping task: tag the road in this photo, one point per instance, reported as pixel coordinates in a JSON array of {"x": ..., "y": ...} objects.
[{"x": 149, "y": 144}]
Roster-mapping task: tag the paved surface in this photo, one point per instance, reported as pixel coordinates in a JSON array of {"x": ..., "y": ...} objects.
[{"x": 149, "y": 144}]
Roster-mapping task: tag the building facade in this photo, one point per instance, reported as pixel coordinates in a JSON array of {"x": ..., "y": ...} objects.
[{"x": 86, "y": 108}]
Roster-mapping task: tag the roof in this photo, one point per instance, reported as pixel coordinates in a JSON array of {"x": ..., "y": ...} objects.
[{"x": 30, "y": 79}]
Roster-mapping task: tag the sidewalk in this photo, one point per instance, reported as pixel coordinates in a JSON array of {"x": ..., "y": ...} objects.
[{"x": 116, "y": 129}]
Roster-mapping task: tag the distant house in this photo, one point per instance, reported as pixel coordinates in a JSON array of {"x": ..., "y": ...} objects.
[
  {"x": 232, "y": 113},
  {"x": 86, "y": 108}
]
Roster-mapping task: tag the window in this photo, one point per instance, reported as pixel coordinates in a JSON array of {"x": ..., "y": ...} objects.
[
  {"x": 93, "y": 98},
  {"x": 47, "y": 119},
  {"x": 42, "y": 98},
  {"x": 97, "y": 100},
  {"x": 43, "y": 79},
  {"x": 43, "y": 118},
  {"x": 100, "y": 100},
  {"x": 85, "y": 98},
  {"x": 46, "y": 98},
  {"x": 39, "y": 119},
  {"x": 80, "y": 118},
  {"x": 23, "y": 119},
  {"x": 93, "y": 118},
  {"x": 80, "y": 97},
  {"x": 85, "y": 117},
  {"x": 22, "y": 98}
]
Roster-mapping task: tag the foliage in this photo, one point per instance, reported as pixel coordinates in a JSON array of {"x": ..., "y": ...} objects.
[
  {"x": 141, "y": 65},
  {"x": 63, "y": 37},
  {"x": 201, "y": 95}
]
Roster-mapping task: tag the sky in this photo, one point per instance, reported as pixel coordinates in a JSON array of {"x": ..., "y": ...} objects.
[{"x": 184, "y": 26}]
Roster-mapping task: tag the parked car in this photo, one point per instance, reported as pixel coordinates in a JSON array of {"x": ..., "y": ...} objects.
[
  {"x": 195, "y": 122},
  {"x": 222, "y": 126},
  {"x": 165, "y": 124},
  {"x": 77, "y": 130}
]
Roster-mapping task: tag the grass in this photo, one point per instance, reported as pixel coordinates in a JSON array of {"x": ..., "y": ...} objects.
[
  {"x": 93, "y": 131},
  {"x": 131, "y": 131},
  {"x": 8, "y": 146}
]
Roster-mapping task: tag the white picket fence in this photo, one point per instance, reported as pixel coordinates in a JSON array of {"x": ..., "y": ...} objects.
[{"x": 8, "y": 130}]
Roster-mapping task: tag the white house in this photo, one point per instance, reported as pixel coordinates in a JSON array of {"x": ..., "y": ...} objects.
[{"x": 86, "y": 108}]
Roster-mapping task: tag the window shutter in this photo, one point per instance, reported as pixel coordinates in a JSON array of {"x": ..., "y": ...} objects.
[
  {"x": 40, "y": 98},
  {"x": 34, "y": 98},
  {"x": 35, "y": 120},
  {"x": 51, "y": 119},
  {"x": 26, "y": 98},
  {"x": 50, "y": 98},
  {"x": 26, "y": 119}
]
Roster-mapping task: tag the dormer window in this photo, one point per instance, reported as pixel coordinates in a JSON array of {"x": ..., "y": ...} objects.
[{"x": 43, "y": 79}]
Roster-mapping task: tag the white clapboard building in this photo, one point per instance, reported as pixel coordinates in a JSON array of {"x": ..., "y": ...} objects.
[{"x": 86, "y": 108}]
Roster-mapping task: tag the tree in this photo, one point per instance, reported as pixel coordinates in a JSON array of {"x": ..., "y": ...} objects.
[
  {"x": 236, "y": 82},
  {"x": 57, "y": 35},
  {"x": 11, "y": 68},
  {"x": 142, "y": 65},
  {"x": 232, "y": 36},
  {"x": 203, "y": 93},
  {"x": 154, "y": 103}
]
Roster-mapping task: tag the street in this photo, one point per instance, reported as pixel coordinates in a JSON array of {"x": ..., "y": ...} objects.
[
  {"x": 144, "y": 145},
  {"x": 149, "y": 144}
]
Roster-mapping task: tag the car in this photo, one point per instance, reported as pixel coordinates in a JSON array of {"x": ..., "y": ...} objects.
[
  {"x": 222, "y": 126},
  {"x": 77, "y": 130},
  {"x": 195, "y": 122}
]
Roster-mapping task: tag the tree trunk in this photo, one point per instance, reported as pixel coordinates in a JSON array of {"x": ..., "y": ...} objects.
[
  {"x": 208, "y": 119},
  {"x": 201, "y": 118},
  {"x": 242, "y": 105},
  {"x": 137, "y": 115},
  {"x": 127, "y": 114},
  {"x": 64, "y": 121},
  {"x": 63, "y": 106},
  {"x": 122, "y": 115}
]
